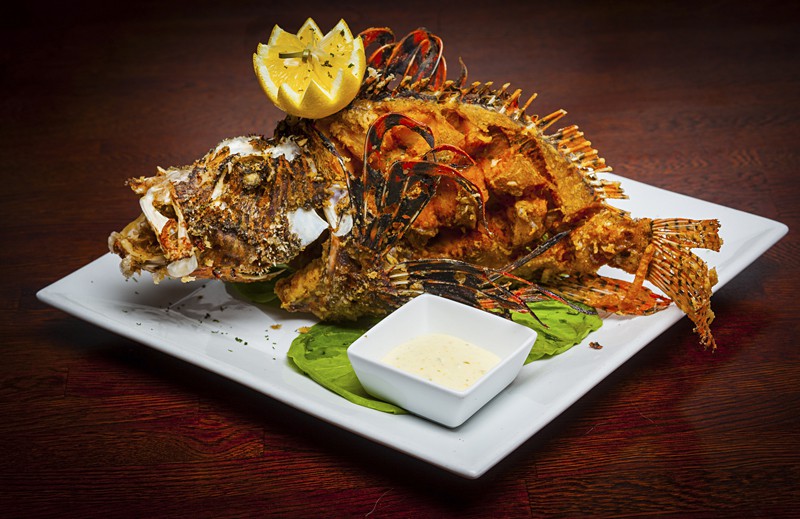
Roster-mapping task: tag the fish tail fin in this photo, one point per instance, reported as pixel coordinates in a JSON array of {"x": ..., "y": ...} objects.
[
  {"x": 682, "y": 275},
  {"x": 670, "y": 265}
]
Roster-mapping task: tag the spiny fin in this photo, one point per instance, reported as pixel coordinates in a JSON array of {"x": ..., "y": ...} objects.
[
  {"x": 671, "y": 266},
  {"x": 419, "y": 60},
  {"x": 607, "y": 294},
  {"x": 575, "y": 148},
  {"x": 548, "y": 120},
  {"x": 389, "y": 78},
  {"x": 682, "y": 275}
]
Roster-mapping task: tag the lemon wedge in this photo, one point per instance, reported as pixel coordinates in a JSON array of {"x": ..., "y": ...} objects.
[{"x": 309, "y": 74}]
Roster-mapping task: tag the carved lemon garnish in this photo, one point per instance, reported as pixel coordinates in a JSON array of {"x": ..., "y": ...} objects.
[{"x": 309, "y": 74}]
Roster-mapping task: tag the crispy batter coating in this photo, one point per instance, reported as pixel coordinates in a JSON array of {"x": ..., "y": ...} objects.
[
  {"x": 253, "y": 203},
  {"x": 527, "y": 190}
]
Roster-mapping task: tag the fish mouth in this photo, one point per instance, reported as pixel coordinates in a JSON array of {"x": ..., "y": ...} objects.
[
  {"x": 139, "y": 249},
  {"x": 158, "y": 240}
]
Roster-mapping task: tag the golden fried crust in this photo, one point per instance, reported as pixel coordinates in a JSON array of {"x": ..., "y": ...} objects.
[
  {"x": 527, "y": 219},
  {"x": 338, "y": 287},
  {"x": 609, "y": 237},
  {"x": 242, "y": 208},
  {"x": 525, "y": 183}
]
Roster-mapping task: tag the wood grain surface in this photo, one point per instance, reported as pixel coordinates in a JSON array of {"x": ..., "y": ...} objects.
[{"x": 699, "y": 98}]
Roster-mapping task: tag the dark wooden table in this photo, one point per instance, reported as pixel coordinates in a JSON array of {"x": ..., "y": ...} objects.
[{"x": 699, "y": 98}]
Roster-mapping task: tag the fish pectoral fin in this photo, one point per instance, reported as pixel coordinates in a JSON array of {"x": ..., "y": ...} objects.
[
  {"x": 609, "y": 294},
  {"x": 630, "y": 300}
]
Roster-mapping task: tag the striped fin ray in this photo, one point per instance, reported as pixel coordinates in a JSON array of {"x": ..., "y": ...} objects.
[{"x": 681, "y": 274}]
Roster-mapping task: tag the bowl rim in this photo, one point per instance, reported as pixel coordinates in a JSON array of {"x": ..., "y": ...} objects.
[{"x": 359, "y": 348}]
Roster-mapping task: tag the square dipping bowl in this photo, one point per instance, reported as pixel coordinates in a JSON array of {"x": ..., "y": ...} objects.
[{"x": 429, "y": 314}]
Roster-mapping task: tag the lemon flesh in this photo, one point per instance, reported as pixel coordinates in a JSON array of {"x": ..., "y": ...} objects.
[{"x": 309, "y": 74}]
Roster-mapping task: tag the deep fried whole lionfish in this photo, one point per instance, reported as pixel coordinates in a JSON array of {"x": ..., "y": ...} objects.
[{"x": 421, "y": 184}]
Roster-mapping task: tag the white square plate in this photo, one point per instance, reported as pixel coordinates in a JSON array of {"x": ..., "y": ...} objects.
[{"x": 203, "y": 324}]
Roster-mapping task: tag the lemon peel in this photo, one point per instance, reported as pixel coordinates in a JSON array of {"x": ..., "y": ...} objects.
[{"x": 309, "y": 74}]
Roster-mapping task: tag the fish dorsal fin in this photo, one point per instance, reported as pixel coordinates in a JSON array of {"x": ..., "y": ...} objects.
[
  {"x": 415, "y": 67},
  {"x": 577, "y": 149}
]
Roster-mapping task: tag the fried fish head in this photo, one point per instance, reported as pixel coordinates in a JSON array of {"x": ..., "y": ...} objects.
[{"x": 246, "y": 206}]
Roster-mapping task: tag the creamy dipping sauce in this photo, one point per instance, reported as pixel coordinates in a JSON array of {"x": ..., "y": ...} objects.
[{"x": 443, "y": 359}]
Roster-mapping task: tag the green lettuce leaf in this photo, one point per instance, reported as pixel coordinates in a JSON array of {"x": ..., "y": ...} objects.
[
  {"x": 565, "y": 327},
  {"x": 321, "y": 353}
]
